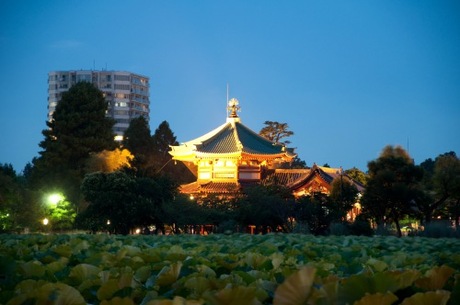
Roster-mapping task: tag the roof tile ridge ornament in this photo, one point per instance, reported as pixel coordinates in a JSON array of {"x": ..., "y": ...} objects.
[{"x": 233, "y": 107}]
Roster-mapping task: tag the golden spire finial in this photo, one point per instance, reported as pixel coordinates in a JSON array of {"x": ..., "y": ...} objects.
[{"x": 233, "y": 108}]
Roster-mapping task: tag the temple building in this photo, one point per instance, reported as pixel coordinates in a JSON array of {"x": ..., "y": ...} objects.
[
  {"x": 233, "y": 156},
  {"x": 229, "y": 156}
]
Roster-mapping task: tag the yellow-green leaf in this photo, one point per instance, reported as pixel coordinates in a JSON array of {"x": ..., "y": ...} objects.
[
  {"x": 169, "y": 274},
  {"x": 439, "y": 297},
  {"x": 33, "y": 269},
  {"x": 238, "y": 295},
  {"x": 377, "y": 299},
  {"x": 107, "y": 289},
  {"x": 435, "y": 278},
  {"x": 296, "y": 288},
  {"x": 118, "y": 301},
  {"x": 83, "y": 272},
  {"x": 377, "y": 265},
  {"x": 59, "y": 293}
]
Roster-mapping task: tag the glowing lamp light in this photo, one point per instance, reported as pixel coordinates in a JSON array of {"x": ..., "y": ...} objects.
[
  {"x": 191, "y": 197},
  {"x": 54, "y": 199},
  {"x": 45, "y": 221},
  {"x": 118, "y": 138}
]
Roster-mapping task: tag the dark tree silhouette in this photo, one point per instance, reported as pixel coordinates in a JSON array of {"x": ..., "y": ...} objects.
[{"x": 392, "y": 188}]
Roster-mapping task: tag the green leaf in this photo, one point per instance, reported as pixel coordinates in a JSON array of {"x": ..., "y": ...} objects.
[
  {"x": 118, "y": 301},
  {"x": 63, "y": 250},
  {"x": 107, "y": 289},
  {"x": 169, "y": 274},
  {"x": 33, "y": 269},
  {"x": 198, "y": 285},
  {"x": 84, "y": 272},
  {"x": 296, "y": 288},
  {"x": 377, "y": 265},
  {"x": 439, "y": 297},
  {"x": 277, "y": 259},
  {"x": 143, "y": 273},
  {"x": 131, "y": 250},
  {"x": 59, "y": 293},
  {"x": 58, "y": 265}
]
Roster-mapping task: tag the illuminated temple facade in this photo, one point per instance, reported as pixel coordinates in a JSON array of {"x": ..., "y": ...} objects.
[
  {"x": 229, "y": 156},
  {"x": 233, "y": 156}
]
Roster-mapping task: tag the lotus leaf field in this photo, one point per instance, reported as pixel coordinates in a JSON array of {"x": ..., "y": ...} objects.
[{"x": 228, "y": 269}]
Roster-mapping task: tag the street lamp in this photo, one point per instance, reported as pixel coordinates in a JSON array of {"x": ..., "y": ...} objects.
[
  {"x": 54, "y": 199},
  {"x": 45, "y": 221}
]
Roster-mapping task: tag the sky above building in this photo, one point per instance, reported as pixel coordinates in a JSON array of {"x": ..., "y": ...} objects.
[{"x": 349, "y": 77}]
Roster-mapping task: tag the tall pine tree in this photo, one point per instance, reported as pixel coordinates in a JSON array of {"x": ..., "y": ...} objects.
[
  {"x": 162, "y": 139},
  {"x": 79, "y": 127},
  {"x": 139, "y": 142}
]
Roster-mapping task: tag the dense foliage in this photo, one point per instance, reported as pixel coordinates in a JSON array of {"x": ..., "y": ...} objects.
[
  {"x": 227, "y": 269},
  {"x": 275, "y": 131},
  {"x": 79, "y": 128},
  {"x": 392, "y": 189},
  {"x": 120, "y": 202}
]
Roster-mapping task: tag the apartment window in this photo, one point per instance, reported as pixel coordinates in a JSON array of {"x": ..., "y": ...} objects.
[
  {"x": 119, "y": 95},
  {"x": 84, "y": 78},
  {"x": 109, "y": 78},
  {"x": 122, "y": 77},
  {"x": 121, "y": 87}
]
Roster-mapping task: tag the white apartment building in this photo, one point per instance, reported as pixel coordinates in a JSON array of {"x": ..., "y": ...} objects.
[{"x": 126, "y": 93}]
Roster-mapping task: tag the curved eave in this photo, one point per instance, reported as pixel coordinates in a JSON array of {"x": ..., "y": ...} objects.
[
  {"x": 205, "y": 155},
  {"x": 251, "y": 156}
]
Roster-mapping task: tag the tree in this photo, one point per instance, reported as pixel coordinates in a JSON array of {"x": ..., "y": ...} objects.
[
  {"x": 111, "y": 202},
  {"x": 78, "y": 128},
  {"x": 162, "y": 139},
  {"x": 342, "y": 197},
  {"x": 275, "y": 131},
  {"x": 441, "y": 186},
  {"x": 9, "y": 197},
  {"x": 446, "y": 180},
  {"x": 265, "y": 206},
  {"x": 138, "y": 140},
  {"x": 119, "y": 202},
  {"x": 314, "y": 211},
  {"x": 109, "y": 160},
  {"x": 19, "y": 207},
  {"x": 357, "y": 175},
  {"x": 392, "y": 188}
]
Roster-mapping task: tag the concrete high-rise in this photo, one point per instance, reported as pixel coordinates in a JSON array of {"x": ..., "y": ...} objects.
[{"x": 127, "y": 94}]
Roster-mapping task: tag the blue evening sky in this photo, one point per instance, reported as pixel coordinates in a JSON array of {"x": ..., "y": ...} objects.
[{"x": 349, "y": 77}]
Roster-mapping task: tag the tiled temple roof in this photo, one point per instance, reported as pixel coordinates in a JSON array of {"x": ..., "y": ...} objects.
[
  {"x": 296, "y": 178},
  {"x": 210, "y": 187},
  {"x": 231, "y": 138}
]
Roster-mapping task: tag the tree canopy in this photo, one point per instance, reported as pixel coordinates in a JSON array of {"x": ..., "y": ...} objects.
[
  {"x": 138, "y": 140},
  {"x": 120, "y": 202},
  {"x": 79, "y": 127},
  {"x": 392, "y": 188},
  {"x": 275, "y": 131}
]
